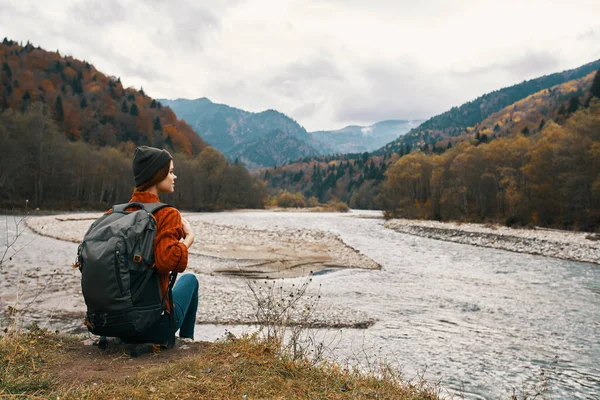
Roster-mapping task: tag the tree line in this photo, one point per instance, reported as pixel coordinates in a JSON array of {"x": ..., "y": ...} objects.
[
  {"x": 551, "y": 178},
  {"x": 348, "y": 179},
  {"x": 41, "y": 165}
]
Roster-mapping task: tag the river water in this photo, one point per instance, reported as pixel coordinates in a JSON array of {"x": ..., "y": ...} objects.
[{"x": 482, "y": 322}]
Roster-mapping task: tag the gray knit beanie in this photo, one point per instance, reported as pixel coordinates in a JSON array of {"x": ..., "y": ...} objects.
[{"x": 147, "y": 161}]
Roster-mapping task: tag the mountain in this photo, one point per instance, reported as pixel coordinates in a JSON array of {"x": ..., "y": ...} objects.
[
  {"x": 238, "y": 133},
  {"x": 456, "y": 120},
  {"x": 86, "y": 104},
  {"x": 530, "y": 114},
  {"x": 529, "y": 121},
  {"x": 68, "y": 131},
  {"x": 274, "y": 148},
  {"x": 358, "y": 139}
]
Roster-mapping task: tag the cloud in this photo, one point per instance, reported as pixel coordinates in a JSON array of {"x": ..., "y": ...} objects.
[
  {"x": 305, "y": 110},
  {"x": 306, "y": 70},
  {"x": 531, "y": 64},
  {"x": 98, "y": 13},
  {"x": 403, "y": 91},
  {"x": 325, "y": 63}
]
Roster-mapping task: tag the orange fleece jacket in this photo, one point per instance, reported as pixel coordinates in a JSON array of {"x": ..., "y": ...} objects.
[{"x": 169, "y": 253}]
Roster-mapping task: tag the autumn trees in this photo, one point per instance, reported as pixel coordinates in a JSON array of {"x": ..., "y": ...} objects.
[
  {"x": 41, "y": 165},
  {"x": 86, "y": 104},
  {"x": 551, "y": 178},
  {"x": 67, "y": 133}
]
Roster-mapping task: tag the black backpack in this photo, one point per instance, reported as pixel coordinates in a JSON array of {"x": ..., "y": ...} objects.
[{"x": 119, "y": 282}]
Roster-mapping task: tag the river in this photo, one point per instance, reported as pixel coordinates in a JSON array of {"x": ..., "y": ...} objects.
[{"x": 480, "y": 321}]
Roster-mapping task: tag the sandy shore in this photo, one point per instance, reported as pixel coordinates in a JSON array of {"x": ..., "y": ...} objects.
[
  {"x": 574, "y": 246},
  {"x": 227, "y": 260},
  {"x": 238, "y": 251}
]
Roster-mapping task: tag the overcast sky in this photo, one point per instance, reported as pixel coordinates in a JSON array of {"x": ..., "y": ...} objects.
[{"x": 325, "y": 63}]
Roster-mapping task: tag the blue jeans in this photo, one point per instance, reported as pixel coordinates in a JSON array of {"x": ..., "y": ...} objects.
[{"x": 185, "y": 303}]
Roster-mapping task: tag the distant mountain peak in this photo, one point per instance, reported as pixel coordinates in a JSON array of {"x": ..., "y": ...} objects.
[
  {"x": 358, "y": 139},
  {"x": 258, "y": 139}
]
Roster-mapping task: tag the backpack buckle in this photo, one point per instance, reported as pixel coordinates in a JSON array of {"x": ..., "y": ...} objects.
[{"x": 137, "y": 258}]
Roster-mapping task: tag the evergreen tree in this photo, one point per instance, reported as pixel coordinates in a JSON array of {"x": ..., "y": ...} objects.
[
  {"x": 83, "y": 103},
  {"x": 124, "y": 108},
  {"x": 542, "y": 123},
  {"x": 157, "y": 126},
  {"x": 573, "y": 104},
  {"x": 76, "y": 84},
  {"x": 134, "y": 110},
  {"x": 595, "y": 89},
  {"x": 169, "y": 141},
  {"x": 7, "y": 70},
  {"x": 525, "y": 131},
  {"x": 59, "y": 112},
  {"x": 153, "y": 104},
  {"x": 25, "y": 100}
]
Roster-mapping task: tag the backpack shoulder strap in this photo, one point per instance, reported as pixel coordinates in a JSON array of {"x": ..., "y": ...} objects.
[
  {"x": 154, "y": 207},
  {"x": 149, "y": 207}
]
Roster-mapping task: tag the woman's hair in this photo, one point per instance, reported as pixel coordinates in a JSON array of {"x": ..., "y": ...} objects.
[{"x": 157, "y": 178}]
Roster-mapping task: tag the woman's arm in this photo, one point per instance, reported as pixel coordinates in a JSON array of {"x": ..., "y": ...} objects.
[{"x": 169, "y": 253}]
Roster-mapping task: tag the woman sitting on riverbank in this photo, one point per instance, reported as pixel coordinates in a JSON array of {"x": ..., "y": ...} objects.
[{"x": 154, "y": 174}]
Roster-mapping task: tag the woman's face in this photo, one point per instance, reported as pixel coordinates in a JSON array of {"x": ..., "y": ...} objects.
[{"x": 167, "y": 185}]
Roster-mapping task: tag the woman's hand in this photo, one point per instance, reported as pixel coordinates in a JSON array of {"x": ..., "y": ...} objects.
[{"x": 189, "y": 235}]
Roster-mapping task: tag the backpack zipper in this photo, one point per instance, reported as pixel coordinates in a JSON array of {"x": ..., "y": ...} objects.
[{"x": 118, "y": 271}]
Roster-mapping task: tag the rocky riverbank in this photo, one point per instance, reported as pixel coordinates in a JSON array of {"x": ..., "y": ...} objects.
[{"x": 574, "y": 246}]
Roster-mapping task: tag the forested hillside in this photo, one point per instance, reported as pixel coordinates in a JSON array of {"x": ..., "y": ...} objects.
[
  {"x": 247, "y": 136},
  {"x": 67, "y": 133},
  {"x": 535, "y": 161},
  {"x": 549, "y": 178},
  {"x": 86, "y": 104},
  {"x": 456, "y": 120}
]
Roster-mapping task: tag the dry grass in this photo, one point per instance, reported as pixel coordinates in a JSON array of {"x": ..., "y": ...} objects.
[{"x": 39, "y": 364}]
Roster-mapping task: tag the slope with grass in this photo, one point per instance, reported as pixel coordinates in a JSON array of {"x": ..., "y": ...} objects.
[{"x": 39, "y": 364}]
